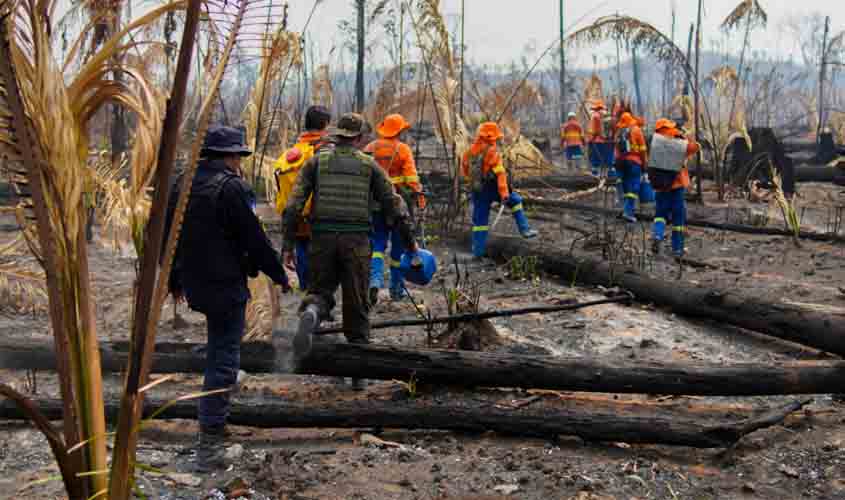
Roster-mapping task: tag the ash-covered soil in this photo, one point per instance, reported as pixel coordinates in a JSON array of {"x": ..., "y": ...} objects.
[{"x": 802, "y": 458}]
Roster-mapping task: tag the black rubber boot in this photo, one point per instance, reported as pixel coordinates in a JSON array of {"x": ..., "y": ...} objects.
[
  {"x": 309, "y": 321},
  {"x": 211, "y": 449}
]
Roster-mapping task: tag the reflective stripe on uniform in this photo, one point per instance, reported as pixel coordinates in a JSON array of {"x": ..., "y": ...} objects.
[
  {"x": 405, "y": 179},
  {"x": 679, "y": 229},
  {"x": 499, "y": 169},
  {"x": 634, "y": 196},
  {"x": 395, "y": 264},
  {"x": 660, "y": 219},
  {"x": 638, "y": 148},
  {"x": 378, "y": 255},
  {"x": 516, "y": 208},
  {"x": 479, "y": 229}
]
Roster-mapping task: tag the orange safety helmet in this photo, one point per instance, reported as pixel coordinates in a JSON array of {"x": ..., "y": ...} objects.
[
  {"x": 597, "y": 104},
  {"x": 626, "y": 120},
  {"x": 490, "y": 131},
  {"x": 392, "y": 125},
  {"x": 664, "y": 123}
]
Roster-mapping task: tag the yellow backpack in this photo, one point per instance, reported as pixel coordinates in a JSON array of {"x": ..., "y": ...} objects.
[{"x": 286, "y": 169}]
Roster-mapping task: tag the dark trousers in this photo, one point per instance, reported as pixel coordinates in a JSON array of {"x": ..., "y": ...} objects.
[
  {"x": 341, "y": 259},
  {"x": 222, "y": 362}
]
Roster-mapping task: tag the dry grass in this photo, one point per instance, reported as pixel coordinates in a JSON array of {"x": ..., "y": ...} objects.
[{"x": 746, "y": 10}]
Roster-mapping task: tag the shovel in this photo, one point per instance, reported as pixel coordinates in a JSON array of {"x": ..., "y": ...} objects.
[{"x": 498, "y": 216}]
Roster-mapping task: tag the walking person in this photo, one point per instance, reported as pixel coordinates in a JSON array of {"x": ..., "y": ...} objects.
[
  {"x": 396, "y": 158},
  {"x": 220, "y": 245},
  {"x": 631, "y": 157},
  {"x": 483, "y": 169},
  {"x": 345, "y": 183},
  {"x": 572, "y": 140},
  {"x": 669, "y": 176},
  {"x": 286, "y": 169}
]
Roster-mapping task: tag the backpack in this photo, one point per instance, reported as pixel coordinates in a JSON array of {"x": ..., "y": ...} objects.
[
  {"x": 623, "y": 141},
  {"x": 285, "y": 170},
  {"x": 477, "y": 178},
  {"x": 608, "y": 127}
]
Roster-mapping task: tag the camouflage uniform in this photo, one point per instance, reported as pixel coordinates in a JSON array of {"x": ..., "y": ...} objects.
[{"x": 346, "y": 184}]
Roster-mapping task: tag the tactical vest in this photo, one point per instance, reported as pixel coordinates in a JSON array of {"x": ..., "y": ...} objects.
[
  {"x": 342, "y": 193},
  {"x": 477, "y": 177}
]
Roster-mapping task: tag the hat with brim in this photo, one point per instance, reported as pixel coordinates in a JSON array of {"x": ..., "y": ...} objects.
[
  {"x": 663, "y": 123},
  {"x": 225, "y": 140},
  {"x": 350, "y": 126},
  {"x": 392, "y": 126}
]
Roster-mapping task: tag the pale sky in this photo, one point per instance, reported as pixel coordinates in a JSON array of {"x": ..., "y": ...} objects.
[{"x": 497, "y": 31}]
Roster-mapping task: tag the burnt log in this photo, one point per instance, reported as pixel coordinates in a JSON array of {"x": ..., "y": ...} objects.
[
  {"x": 620, "y": 424},
  {"x": 820, "y": 330},
  {"x": 480, "y": 369},
  {"x": 703, "y": 223}
]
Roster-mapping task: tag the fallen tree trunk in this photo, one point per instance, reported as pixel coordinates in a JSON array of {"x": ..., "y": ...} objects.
[
  {"x": 570, "y": 182},
  {"x": 623, "y": 425},
  {"x": 820, "y": 330},
  {"x": 736, "y": 228},
  {"x": 470, "y": 368}
]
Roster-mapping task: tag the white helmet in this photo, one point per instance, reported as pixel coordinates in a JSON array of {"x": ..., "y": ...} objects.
[{"x": 571, "y": 114}]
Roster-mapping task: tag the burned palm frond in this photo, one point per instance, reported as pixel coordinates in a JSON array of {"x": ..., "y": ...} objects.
[
  {"x": 322, "y": 92},
  {"x": 525, "y": 160},
  {"x": 435, "y": 35},
  {"x": 749, "y": 10},
  {"x": 51, "y": 111},
  {"x": 439, "y": 71},
  {"x": 280, "y": 52},
  {"x": 633, "y": 32},
  {"x": 386, "y": 97},
  {"x": 21, "y": 287}
]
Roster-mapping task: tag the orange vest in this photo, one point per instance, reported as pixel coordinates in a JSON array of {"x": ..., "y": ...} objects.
[
  {"x": 572, "y": 134},
  {"x": 396, "y": 159}
]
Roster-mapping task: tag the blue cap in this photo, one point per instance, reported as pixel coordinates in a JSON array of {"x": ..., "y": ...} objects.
[{"x": 222, "y": 139}]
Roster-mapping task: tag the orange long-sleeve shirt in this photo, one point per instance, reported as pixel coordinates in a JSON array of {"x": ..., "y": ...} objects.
[
  {"x": 638, "y": 152},
  {"x": 571, "y": 134},
  {"x": 492, "y": 163},
  {"x": 397, "y": 159},
  {"x": 595, "y": 132},
  {"x": 682, "y": 180}
]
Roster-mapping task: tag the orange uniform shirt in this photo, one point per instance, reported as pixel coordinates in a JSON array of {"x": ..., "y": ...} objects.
[
  {"x": 492, "y": 162},
  {"x": 595, "y": 132},
  {"x": 638, "y": 151},
  {"x": 397, "y": 159},
  {"x": 571, "y": 134},
  {"x": 682, "y": 180}
]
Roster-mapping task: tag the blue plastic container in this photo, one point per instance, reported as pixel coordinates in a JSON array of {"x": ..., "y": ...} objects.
[{"x": 418, "y": 268}]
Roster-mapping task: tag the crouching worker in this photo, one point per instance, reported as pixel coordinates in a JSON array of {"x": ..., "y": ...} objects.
[
  {"x": 670, "y": 178},
  {"x": 397, "y": 160},
  {"x": 286, "y": 169},
  {"x": 220, "y": 244},
  {"x": 343, "y": 181},
  {"x": 484, "y": 172}
]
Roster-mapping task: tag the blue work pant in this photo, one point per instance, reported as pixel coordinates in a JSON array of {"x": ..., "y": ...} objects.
[
  {"x": 380, "y": 236},
  {"x": 671, "y": 206},
  {"x": 222, "y": 362},
  {"x": 481, "y": 202},
  {"x": 601, "y": 156},
  {"x": 631, "y": 178},
  {"x": 301, "y": 251}
]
